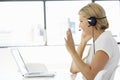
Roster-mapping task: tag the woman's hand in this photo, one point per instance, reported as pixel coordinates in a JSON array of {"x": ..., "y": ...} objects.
[
  {"x": 69, "y": 42},
  {"x": 85, "y": 37}
]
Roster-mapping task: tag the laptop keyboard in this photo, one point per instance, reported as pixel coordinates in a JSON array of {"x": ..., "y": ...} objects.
[{"x": 40, "y": 74}]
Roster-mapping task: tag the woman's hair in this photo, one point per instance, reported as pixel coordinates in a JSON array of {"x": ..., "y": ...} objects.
[{"x": 97, "y": 11}]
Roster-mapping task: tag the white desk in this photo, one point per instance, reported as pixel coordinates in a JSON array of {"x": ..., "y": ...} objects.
[
  {"x": 59, "y": 76},
  {"x": 9, "y": 69}
]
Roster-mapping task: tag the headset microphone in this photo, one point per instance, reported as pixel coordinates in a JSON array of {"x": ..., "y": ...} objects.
[{"x": 79, "y": 29}]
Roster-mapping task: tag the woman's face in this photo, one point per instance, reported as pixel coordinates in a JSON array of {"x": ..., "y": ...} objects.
[{"x": 84, "y": 25}]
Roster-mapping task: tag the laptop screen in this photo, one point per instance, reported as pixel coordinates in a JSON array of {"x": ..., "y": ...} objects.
[{"x": 19, "y": 60}]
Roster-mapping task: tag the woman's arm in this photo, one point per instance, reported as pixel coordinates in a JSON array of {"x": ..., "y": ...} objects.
[
  {"x": 99, "y": 61},
  {"x": 89, "y": 71},
  {"x": 80, "y": 49}
]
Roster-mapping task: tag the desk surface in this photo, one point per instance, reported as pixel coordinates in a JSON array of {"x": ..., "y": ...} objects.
[
  {"x": 9, "y": 70},
  {"x": 58, "y": 76}
]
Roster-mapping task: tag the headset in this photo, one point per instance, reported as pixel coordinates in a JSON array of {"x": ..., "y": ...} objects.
[{"x": 93, "y": 20}]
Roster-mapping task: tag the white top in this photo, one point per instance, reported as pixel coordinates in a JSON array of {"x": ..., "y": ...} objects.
[{"x": 108, "y": 44}]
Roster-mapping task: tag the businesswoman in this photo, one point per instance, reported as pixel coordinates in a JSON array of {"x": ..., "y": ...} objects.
[{"x": 104, "y": 52}]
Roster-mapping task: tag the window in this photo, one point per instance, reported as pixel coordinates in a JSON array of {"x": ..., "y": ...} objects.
[
  {"x": 59, "y": 16},
  {"x": 21, "y": 23},
  {"x": 112, "y": 9}
]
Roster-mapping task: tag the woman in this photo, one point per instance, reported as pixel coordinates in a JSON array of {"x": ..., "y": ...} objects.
[{"x": 104, "y": 52}]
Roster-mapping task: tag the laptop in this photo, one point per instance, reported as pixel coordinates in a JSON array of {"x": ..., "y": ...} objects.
[{"x": 37, "y": 70}]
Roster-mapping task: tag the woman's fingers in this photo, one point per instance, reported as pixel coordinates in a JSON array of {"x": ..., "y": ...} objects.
[{"x": 68, "y": 33}]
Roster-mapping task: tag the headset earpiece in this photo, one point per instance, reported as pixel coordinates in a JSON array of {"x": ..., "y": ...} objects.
[{"x": 92, "y": 21}]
